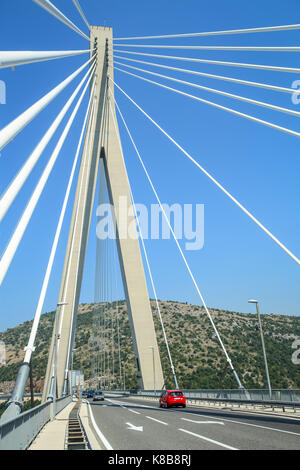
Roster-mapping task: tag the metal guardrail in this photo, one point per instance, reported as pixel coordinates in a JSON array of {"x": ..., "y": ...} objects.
[
  {"x": 250, "y": 395},
  {"x": 280, "y": 397},
  {"x": 19, "y": 432},
  {"x": 253, "y": 395}
]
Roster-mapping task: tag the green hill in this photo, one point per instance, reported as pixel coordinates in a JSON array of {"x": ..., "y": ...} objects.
[{"x": 197, "y": 355}]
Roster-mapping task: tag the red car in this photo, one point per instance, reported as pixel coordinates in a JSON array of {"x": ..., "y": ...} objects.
[{"x": 172, "y": 398}]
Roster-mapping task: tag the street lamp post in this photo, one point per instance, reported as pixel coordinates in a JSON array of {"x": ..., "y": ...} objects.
[
  {"x": 71, "y": 380},
  {"x": 57, "y": 336},
  {"x": 154, "y": 381},
  {"x": 72, "y": 361},
  {"x": 124, "y": 385},
  {"x": 263, "y": 345}
]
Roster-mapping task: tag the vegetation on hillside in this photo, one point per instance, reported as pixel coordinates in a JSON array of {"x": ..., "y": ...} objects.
[{"x": 197, "y": 355}]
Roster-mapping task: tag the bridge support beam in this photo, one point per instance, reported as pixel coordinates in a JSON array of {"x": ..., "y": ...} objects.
[{"x": 103, "y": 138}]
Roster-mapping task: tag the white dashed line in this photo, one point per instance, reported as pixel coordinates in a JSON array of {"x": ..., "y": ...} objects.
[
  {"x": 202, "y": 422},
  {"x": 157, "y": 420}
]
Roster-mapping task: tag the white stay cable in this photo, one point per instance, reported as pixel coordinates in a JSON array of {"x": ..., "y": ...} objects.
[
  {"x": 96, "y": 332},
  {"x": 59, "y": 319},
  {"x": 259, "y": 224},
  {"x": 145, "y": 253},
  {"x": 117, "y": 315},
  {"x": 10, "y": 131},
  {"x": 216, "y": 33},
  {"x": 72, "y": 332},
  {"x": 76, "y": 3},
  {"x": 47, "y": 5},
  {"x": 90, "y": 120},
  {"x": 30, "y": 346},
  {"x": 220, "y": 48},
  {"x": 212, "y": 103},
  {"x": 17, "y": 236},
  {"x": 181, "y": 252},
  {"x": 14, "y": 58},
  {"x": 102, "y": 251},
  {"x": 210, "y": 75},
  {"x": 155, "y": 294},
  {"x": 16, "y": 185},
  {"x": 219, "y": 92},
  {"x": 273, "y": 68}
]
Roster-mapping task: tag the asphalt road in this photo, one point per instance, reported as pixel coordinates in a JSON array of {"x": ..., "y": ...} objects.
[{"x": 136, "y": 424}]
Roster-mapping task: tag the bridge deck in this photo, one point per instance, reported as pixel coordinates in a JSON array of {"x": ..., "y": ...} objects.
[{"x": 53, "y": 435}]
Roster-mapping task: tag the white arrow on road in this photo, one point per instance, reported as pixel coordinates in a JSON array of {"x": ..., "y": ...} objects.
[
  {"x": 203, "y": 422},
  {"x": 134, "y": 428}
]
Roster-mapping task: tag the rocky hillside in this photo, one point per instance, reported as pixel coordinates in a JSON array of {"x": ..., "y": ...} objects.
[{"x": 197, "y": 356}]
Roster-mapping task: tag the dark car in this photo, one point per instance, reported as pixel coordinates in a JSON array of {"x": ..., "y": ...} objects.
[
  {"x": 98, "y": 396},
  {"x": 172, "y": 398},
  {"x": 90, "y": 393}
]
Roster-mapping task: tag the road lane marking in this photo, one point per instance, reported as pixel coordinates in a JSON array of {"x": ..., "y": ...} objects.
[
  {"x": 254, "y": 416},
  {"x": 238, "y": 422},
  {"x": 202, "y": 422},
  {"x": 138, "y": 405},
  {"x": 100, "y": 434},
  {"x": 249, "y": 412},
  {"x": 118, "y": 403},
  {"x": 209, "y": 440},
  {"x": 126, "y": 408},
  {"x": 157, "y": 420},
  {"x": 252, "y": 425},
  {"x": 132, "y": 427}
]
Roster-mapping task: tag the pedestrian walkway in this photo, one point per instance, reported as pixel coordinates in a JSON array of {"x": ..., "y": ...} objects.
[{"x": 53, "y": 434}]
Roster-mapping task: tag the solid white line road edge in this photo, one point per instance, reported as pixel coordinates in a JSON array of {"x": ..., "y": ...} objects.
[
  {"x": 209, "y": 440},
  {"x": 100, "y": 435},
  {"x": 242, "y": 413},
  {"x": 250, "y": 424},
  {"x": 127, "y": 404}
]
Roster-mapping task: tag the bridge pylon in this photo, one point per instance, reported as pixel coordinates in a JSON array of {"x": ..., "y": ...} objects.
[{"x": 102, "y": 140}]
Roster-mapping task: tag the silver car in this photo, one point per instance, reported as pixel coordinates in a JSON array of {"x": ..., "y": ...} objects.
[{"x": 98, "y": 396}]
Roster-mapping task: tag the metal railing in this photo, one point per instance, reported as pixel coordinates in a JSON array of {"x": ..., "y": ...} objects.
[
  {"x": 19, "y": 432},
  {"x": 280, "y": 397},
  {"x": 254, "y": 394}
]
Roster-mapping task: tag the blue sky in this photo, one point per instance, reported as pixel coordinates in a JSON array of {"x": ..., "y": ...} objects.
[{"x": 260, "y": 166}]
